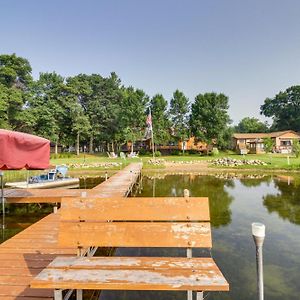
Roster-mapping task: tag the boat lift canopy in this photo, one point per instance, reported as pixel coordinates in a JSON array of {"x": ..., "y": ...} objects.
[{"x": 21, "y": 150}]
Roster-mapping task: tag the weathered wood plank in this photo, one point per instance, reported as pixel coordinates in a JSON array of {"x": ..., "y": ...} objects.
[
  {"x": 135, "y": 234},
  {"x": 136, "y": 209},
  {"x": 113, "y": 279},
  {"x": 120, "y": 263}
]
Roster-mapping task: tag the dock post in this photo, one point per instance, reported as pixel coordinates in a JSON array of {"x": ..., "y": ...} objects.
[
  {"x": 79, "y": 294},
  {"x": 55, "y": 208},
  {"x": 106, "y": 176},
  {"x": 258, "y": 233},
  {"x": 199, "y": 296}
]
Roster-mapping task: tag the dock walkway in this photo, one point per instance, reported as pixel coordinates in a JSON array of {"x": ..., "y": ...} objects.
[{"x": 23, "y": 256}]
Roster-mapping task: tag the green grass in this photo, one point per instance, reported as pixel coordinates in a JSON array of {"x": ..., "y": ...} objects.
[{"x": 274, "y": 161}]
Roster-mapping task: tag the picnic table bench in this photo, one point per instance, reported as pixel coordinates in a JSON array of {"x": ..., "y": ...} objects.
[{"x": 134, "y": 222}]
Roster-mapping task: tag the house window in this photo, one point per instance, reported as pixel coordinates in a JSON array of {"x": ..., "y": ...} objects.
[{"x": 285, "y": 143}]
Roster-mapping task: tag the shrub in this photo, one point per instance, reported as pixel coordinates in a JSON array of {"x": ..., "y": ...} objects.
[
  {"x": 192, "y": 151},
  {"x": 268, "y": 144},
  {"x": 296, "y": 148},
  {"x": 157, "y": 153},
  {"x": 214, "y": 151},
  {"x": 61, "y": 155},
  {"x": 144, "y": 152},
  {"x": 175, "y": 152}
]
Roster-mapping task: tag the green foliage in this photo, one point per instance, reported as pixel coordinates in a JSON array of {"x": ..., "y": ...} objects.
[
  {"x": 251, "y": 125},
  {"x": 296, "y": 148},
  {"x": 209, "y": 117},
  {"x": 175, "y": 152},
  {"x": 268, "y": 144},
  {"x": 133, "y": 107},
  {"x": 15, "y": 80},
  {"x": 284, "y": 108},
  {"x": 215, "y": 152},
  {"x": 157, "y": 153},
  {"x": 179, "y": 108},
  {"x": 91, "y": 109},
  {"x": 144, "y": 152},
  {"x": 61, "y": 155},
  {"x": 160, "y": 121}
]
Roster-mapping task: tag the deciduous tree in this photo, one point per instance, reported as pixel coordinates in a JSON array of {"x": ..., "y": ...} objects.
[
  {"x": 209, "y": 118},
  {"x": 251, "y": 125},
  {"x": 160, "y": 121},
  {"x": 284, "y": 109},
  {"x": 179, "y": 108}
]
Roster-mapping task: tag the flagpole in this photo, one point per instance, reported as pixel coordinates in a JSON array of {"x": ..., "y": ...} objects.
[{"x": 152, "y": 139}]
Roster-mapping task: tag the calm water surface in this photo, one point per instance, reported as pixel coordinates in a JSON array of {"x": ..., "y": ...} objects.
[{"x": 234, "y": 204}]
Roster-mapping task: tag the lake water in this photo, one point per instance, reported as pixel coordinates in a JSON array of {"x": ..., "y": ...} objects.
[{"x": 234, "y": 204}]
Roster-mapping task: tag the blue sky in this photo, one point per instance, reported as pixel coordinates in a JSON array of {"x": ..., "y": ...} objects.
[{"x": 248, "y": 50}]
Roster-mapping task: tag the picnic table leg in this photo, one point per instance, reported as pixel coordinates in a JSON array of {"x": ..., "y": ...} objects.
[
  {"x": 58, "y": 295},
  {"x": 199, "y": 296},
  {"x": 79, "y": 292},
  {"x": 79, "y": 295}
]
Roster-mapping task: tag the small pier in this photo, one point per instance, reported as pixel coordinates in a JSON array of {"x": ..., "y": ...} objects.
[
  {"x": 26, "y": 254},
  {"x": 120, "y": 184}
]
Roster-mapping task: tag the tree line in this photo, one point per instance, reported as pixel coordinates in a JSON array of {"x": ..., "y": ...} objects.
[{"x": 101, "y": 112}]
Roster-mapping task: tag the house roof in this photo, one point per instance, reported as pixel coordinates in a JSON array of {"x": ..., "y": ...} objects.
[{"x": 262, "y": 135}]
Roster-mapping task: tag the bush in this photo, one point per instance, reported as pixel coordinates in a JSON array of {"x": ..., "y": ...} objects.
[
  {"x": 61, "y": 155},
  {"x": 192, "y": 151},
  {"x": 157, "y": 153},
  {"x": 144, "y": 152},
  {"x": 214, "y": 151},
  {"x": 296, "y": 148},
  {"x": 175, "y": 152}
]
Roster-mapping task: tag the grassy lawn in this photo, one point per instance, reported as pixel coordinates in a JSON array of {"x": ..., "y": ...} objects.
[
  {"x": 88, "y": 163},
  {"x": 274, "y": 161}
]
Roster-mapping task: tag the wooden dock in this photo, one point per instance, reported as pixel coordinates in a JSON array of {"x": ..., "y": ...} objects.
[
  {"x": 23, "y": 256},
  {"x": 118, "y": 184}
]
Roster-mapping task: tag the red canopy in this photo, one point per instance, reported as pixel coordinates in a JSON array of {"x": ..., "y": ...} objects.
[{"x": 21, "y": 150}]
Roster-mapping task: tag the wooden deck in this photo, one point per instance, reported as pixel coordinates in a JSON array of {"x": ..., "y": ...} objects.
[
  {"x": 117, "y": 185},
  {"x": 27, "y": 253}
]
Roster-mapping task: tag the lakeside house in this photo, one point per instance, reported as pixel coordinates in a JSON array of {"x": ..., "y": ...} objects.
[
  {"x": 190, "y": 144},
  {"x": 254, "y": 142}
]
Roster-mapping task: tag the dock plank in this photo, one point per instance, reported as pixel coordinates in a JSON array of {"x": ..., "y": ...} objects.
[{"x": 26, "y": 254}]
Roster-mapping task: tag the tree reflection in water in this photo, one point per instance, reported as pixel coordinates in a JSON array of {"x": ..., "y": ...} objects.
[
  {"x": 199, "y": 186},
  {"x": 286, "y": 203}
]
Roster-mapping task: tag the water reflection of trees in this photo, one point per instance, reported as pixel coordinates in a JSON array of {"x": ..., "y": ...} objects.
[
  {"x": 199, "y": 186},
  {"x": 255, "y": 181},
  {"x": 286, "y": 203}
]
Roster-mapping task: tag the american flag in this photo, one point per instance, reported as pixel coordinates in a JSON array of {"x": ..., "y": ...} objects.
[
  {"x": 149, "y": 126},
  {"x": 149, "y": 121}
]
